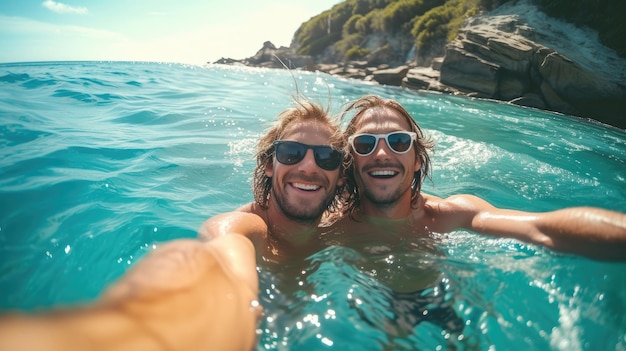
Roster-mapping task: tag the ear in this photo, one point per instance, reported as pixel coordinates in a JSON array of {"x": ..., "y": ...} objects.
[
  {"x": 269, "y": 169},
  {"x": 418, "y": 163},
  {"x": 341, "y": 181}
]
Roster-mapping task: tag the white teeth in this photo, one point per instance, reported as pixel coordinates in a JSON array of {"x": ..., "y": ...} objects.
[
  {"x": 308, "y": 187},
  {"x": 383, "y": 173}
]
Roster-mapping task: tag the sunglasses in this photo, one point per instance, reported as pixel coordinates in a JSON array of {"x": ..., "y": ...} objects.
[
  {"x": 399, "y": 142},
  {"x": 291, "y": 152}
]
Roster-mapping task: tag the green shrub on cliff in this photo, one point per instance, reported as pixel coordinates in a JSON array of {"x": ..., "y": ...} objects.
[
  {"x": 328, "y": 26},
  {"x": 350, "y": 27},
  {"x": 398, "y": 15},
  {"x": 343, "y": 29},
  {"x": 356, "y": 52},
  {"x": 442, "y": 22}
]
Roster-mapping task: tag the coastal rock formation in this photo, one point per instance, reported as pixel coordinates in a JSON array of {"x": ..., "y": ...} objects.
[
  {"x": 271, "y": 57},
  {"x": 514, "y": 53},
  {"x": 503, "y": 57}
]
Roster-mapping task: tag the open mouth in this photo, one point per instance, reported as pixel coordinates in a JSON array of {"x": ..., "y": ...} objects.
[
  {"x": 306, "y": 187},
  {"x": 382, "y": 174}
]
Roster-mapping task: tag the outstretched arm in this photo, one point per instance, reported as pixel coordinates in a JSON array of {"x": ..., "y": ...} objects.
[
  {"x": 247, "y": 224},
  {"x": 592, "y": 232},
  {"x": 185, "y": 295}
]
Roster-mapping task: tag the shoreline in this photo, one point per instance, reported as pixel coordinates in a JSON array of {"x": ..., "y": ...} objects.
[{"x": 514, "y": 53}]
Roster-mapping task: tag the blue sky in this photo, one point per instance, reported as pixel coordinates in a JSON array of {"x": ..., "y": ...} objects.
[{"x": 187, "y": 31}]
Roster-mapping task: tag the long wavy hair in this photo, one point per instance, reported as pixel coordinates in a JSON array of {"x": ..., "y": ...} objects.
[
  {"x": 303, "y": 111},
  {"x": 422, "y": 146}
]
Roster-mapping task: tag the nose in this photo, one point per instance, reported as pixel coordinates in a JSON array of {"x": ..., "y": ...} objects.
[
  {"x": 382, "y": 150},
  {"x": 308, "y": 163}
]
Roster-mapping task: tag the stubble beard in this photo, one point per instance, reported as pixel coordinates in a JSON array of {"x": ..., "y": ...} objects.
[
  {"x": 384, "y": 200},
  {"x": 300, "y": 212}
]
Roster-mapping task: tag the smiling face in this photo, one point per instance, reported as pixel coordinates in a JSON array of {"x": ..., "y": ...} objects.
[
  {"x": 303, "y": 191},
  {"x": 384, "y": 177}
]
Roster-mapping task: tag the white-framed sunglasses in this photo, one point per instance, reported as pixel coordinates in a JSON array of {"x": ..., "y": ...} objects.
[{"x": 399, "y": 142}]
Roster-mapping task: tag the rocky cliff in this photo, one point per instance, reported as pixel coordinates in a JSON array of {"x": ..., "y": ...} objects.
[
  {"x": 514, "y": 53},
  {"x": 530, "y": 59}
]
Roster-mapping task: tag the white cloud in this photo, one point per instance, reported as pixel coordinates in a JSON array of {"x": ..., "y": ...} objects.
[
  {"x": 23, "y": 26},
  {"x": 63, "y": 8},
  {"x": 32, "y": 40}
]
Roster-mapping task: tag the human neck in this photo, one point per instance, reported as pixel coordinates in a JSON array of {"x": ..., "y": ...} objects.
[
  {"x": 397, "y": 210},
  {"x": 286, "y": 230}
]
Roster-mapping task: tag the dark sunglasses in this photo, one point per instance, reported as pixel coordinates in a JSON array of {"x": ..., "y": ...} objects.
[
  {"x": 291, "y": 152},
  {"x": 399, "y": 142}
]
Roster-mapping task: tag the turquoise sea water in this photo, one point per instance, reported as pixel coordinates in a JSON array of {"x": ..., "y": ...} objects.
[{"x": 100, "y": 161}]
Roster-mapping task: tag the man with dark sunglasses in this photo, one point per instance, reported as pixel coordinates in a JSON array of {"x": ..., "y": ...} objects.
[
  {"x": 297, "y": 178},
  {"x": 390, "y": 162},
  {"x": 196, "y": 295}
]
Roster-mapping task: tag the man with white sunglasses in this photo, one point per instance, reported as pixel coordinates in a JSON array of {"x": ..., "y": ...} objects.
[
  {"x": 390, "y": 162},
  {"x": 385, "y": 205}
]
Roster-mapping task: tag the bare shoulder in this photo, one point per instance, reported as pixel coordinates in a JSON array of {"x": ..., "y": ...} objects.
[
  {"x": 437, "y": 205},
  {"x": 454, "y": 203},
  {"x": 250, "y": 207},
  {"x": 456, "y": 211},
  {"x": 246, "y": 220}
]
